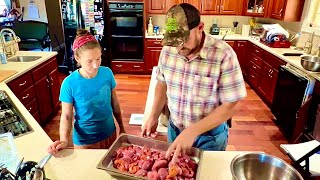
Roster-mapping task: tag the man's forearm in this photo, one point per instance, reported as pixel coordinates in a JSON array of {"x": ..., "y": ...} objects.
[
  {"x": 65, "y": 128},
  {"x": 215, "y": 118},
  {"x": 159, "y": 100}
]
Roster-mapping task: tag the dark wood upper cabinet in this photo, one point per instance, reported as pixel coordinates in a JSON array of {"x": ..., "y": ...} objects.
[
  {"x": 170, "y": 3},
  {"x": 229, "y": 7},
  {"x": 210, "y": 7},
  {"x": 256, "y": 8},
  {"x": 157, "y": 6},
  {"x": 286, "y": 10},
  {"x": 195, "y": 3}
]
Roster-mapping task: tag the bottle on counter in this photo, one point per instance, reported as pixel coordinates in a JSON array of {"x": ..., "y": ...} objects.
[
  {"x": 3, "y": 56},
  {"x": 150, "y": 27}
]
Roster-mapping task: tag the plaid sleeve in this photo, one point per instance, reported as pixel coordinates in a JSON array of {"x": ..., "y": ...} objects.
[
  {"x": 231, "y": 84},
  {"x": 160, "y": 76}
]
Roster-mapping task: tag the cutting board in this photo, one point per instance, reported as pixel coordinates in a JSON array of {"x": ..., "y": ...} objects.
[{"x": 4, "y": 74}]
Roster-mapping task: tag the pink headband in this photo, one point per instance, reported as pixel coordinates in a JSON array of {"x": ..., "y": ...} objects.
[{"x": 82, "y": 40}]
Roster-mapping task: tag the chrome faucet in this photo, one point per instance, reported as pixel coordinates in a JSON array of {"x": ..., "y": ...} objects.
[
  {"x": 16, "y": 39},
  {"x": 308, "y": 45}
]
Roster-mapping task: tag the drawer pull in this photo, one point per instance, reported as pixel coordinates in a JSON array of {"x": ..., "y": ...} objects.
[
  {"x": 51, "y": 79},
  {"x": 136, "y": 66},
  {"x": 24, "y": 83},
  {"x": 254, "y": 67},
  {"x": 252, "y": 76},
  {"x": 257, "y": 51},
  {"x": 30, "y": 109},
  {"x": 157, "y": 42},
  {"x": 25, "y": 97},
  {"x": 119, "y": 65}
]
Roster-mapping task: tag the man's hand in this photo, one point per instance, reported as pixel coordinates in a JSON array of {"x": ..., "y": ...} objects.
[
  {"x": 182, "y": 144},
  {"x": 149, "y": 129},
  {"x": 57, "y": 146}
]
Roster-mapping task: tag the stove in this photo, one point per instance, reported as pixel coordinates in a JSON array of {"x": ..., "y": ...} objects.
[{"x": 10, "y": 119}]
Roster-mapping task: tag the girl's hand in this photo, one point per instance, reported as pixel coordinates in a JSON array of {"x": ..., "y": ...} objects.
[{"x": 56, "y": 146}]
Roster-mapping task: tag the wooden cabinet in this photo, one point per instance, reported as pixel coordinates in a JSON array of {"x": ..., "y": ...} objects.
[
  {"x": 262, "y": 72},
  {"x": 152, "y": 52},
  {"x": 210, "y": 7},
  {"x": 227, "y": 7},
  {"x": 157, "y": 6},
  {"x": 128, "y": 67},
  {"x": 38, "y": 90},
  {"x": 256, "y": 8},
  {"x": 170, "y": 3},
  {"x": 240, "y": 48},
  {"x": 54, "y": 88},
  {"x": 47, "y": 88},
  {"x": 43, "y": 98},
  {"x": 286, "y": 10},
  {"x": 195, "y": 3}
]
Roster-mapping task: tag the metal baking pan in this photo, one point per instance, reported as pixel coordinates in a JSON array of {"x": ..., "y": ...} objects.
[{"x": 127, "y": 140}]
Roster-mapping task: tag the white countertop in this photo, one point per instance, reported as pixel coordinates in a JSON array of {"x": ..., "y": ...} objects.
[
  {"x": 81, "y": 164},
  {"x": 23, "y": 67}
]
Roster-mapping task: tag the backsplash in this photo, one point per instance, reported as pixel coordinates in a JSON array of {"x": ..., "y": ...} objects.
[{"x": 223, "y": 21}]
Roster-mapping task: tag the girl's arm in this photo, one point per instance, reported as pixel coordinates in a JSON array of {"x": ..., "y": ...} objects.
[
  {"x": 117, "y": 110},
  {"x": 66, "y": 121}
]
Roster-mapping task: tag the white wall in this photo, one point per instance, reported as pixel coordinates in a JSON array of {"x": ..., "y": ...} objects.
[{"x": 42, "y": 10}]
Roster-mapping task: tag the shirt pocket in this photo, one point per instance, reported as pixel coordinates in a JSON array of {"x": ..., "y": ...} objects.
[{"x": 204, "y": 86}]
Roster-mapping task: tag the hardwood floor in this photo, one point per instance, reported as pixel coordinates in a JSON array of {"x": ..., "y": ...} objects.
[{"x": 252, "y": 126}]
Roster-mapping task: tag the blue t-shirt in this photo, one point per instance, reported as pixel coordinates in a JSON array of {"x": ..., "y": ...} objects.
[{"x": 91, "y": 99}]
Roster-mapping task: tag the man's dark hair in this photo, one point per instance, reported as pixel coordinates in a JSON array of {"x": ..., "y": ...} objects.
[{"x": 192, "y": 14}]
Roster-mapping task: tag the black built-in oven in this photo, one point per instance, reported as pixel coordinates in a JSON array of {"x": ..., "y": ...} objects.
[{"x": 126, "y": 29}]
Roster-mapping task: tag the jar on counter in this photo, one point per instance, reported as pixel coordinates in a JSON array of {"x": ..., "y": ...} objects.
[{"x": 156, "y": 30}]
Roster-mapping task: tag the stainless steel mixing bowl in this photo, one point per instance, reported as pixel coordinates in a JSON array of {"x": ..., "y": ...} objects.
[
  {"x": 261, "y": 166},
  {"x": 310, "y": 63}
]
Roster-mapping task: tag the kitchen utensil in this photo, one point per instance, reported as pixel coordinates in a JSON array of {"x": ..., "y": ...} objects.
[
  {"x": 310, "y": 63},
  {"x": 127, "y": 140},
  {"x": 33, "y": 169},
  {"x": 252, "y": 166},
  {"x": 295, "y": 37}
]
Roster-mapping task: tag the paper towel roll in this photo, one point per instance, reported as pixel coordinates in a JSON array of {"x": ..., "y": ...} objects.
[{"x": 245, "y": 30}]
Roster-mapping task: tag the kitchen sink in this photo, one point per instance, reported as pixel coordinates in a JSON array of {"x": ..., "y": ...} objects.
[{"x": 23, "y": 58}]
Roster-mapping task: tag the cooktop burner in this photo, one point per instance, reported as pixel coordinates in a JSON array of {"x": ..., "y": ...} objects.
[{"x": 10, "y": 118}]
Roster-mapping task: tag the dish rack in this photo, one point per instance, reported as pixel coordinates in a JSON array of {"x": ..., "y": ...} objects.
[{"x": 277, "y": 44}]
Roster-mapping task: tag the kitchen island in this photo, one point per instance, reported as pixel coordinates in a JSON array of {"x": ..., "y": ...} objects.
[{"x": 81, "y": 164}]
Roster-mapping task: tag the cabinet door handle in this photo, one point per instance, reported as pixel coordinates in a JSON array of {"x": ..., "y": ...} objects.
[
  {"x": 257, "y": 51},
  {"x": 119, "y": 65},
  {"x": 157, "y": 42},
  {"x": 51, "y": 79},
  {"x": 221, "y": 8},
  {"x": 280, "y": 12},
  {"x": 252, "y": 76},
  {"x": 25, "y": 97},
  {"x": 30, "y": 109},
  {"x": 47, "y": 80},
  {"x": 269, "y": 71},
  {"x": 254, "y": 67},
  {"x": 218, "y": 7},
  {"x": 22, "y": 84},
  {"x": 162, "y": 6},
  {"x": 136, "y": 66}
]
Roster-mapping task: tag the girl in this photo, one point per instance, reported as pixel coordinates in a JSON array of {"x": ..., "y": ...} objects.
[{"x": 90, "y": 90}]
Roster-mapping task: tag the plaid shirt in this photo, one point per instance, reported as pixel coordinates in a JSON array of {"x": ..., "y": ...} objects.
[{"x": 197, "y": 86}]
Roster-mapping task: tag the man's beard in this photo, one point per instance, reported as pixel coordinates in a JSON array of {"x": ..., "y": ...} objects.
[{"x": 187, "y": 51}]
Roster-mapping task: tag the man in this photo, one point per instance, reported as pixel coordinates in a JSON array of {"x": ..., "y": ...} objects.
[{"x": 201, "y": 78}]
